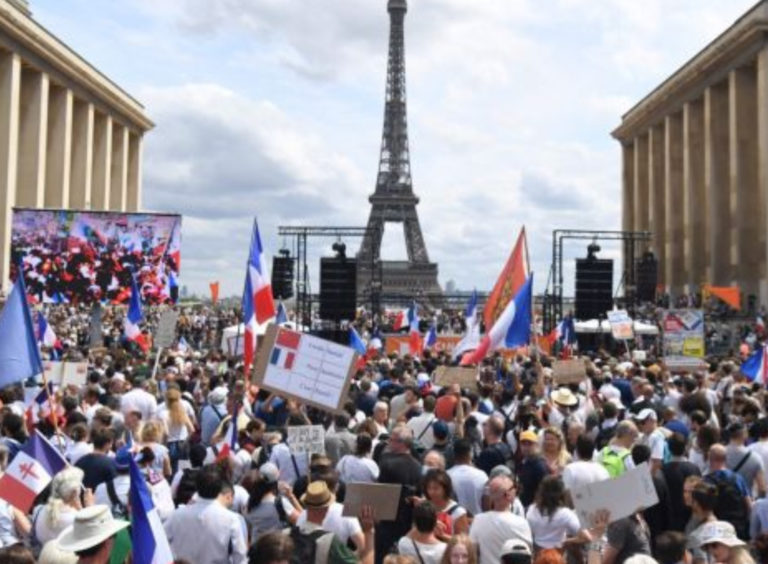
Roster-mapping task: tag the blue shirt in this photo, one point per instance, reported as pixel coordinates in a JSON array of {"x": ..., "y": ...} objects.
[{"x": 210, "y": 418}]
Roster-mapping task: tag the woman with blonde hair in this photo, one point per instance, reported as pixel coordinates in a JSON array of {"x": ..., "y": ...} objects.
[
  {"x": 723, "y": 546},
  {"x": 554, "y": 451},
  {"x": 64, "y": 502},
  {"x": 460, "y": 550},
  {"x": 178, "y": 417},
  {"x": 151, "y": 435}
]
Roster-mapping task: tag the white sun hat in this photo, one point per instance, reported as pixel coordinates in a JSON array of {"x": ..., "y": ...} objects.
[{"x": 92, "y": 526}]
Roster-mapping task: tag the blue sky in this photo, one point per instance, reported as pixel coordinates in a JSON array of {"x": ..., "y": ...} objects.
[{"x": 274, "y": 107}]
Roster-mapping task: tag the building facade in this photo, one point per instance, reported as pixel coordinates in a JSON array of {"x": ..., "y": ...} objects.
[
  {"x": 69, "y": 137},
  {"x": 695, "y": 164}
]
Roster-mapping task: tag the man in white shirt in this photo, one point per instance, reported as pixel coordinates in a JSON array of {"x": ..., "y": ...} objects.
[
  {"x": 491, "y": 529},
  {"x": 140, "y": 399},
  {"x": 206, "y": 531},
  {"x": 584, "y": 470},
  {"x": 292, "y": 466},
  {"x": 652, "y": 436},
  {"x": 468, "y": 481}
]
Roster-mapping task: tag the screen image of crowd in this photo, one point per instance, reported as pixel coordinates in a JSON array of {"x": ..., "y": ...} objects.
[
  {"x": 486, "y": 471},
  {"x": 86, "y": 257}
]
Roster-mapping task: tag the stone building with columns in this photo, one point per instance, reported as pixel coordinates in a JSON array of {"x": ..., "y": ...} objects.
[
  {"x": 69, "y": 136},
  {"x": 695, "y": 164}
]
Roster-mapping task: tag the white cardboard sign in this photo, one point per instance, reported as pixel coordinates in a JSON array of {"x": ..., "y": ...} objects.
[{"x": 308, "y": 439}]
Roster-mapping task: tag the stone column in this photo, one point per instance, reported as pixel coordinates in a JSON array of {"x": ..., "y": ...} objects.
[
  {"x": 673, "y": 202},
  {"x": 716, "y": 180},
  {"x": 695, "y": 195},
  {"x": 641, "y": 183},
  {"x": 10, "y": 93},
  {"x": 134, "y": 172},
  {"x": 656, "y": 211},
  {"x": 102, "y": 161},
  {"x": 119, "y": 182},
  {"x": 628, "y": 181},
  {"x": 33, "y": 129},
  {"x": 82, "y": 156},
  {"x": 747, "y": 216},
  {"x": 59, "y": 150},
  {"x": 762, "y": 159}
]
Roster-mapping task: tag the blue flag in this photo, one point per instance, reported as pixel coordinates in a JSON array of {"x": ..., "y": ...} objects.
[
  {"x": 281, "y": 316},
  {"x": 356, "y": 342},
  {"x": 519, "y": 331},
  {"x": 19, "y": 355}
]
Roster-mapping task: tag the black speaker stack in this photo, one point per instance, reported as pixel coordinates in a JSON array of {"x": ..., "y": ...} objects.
[
  {"x": 282, "y": 277},
  {"x": 594, "y": 288},
  {"x": 647, "y": 277},
  {"x": 338, "y": 288}
]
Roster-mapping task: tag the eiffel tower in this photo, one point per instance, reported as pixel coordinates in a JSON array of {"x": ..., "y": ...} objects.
[{"x": 393, "y": 200}]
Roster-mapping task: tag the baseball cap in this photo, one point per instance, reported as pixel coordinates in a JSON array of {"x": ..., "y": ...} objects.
[
  {"x": 440, "y": 429},
  {"x": 516, "y": 551},
  {"x": 529, "y": 436},
  {"x": 645, "y": 414},
  {"x": 269, "y": 472}
]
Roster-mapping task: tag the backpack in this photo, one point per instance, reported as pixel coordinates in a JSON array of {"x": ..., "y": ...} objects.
[
  {"x": 730, "y": 504},
  {"x": 614, "y": 461},
  {"x": 307, "y": 545},
  {"x": 187, "y": 486}
]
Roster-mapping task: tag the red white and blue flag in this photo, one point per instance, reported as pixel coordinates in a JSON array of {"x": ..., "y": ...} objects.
[
  {"x": 134, "y": 317},
  {"x": 285, "y": 349},
  {"x": 356, "y": 342},
  {"x": 431, "y": 339},
  {"x": 471, "y": 338},
  {"x": 755, "y": 368},
  {"x": 47, "y": 338},
  {"x": 29, "y": 473},
  {"x": 42, "y": 407},
  {"x": 148, "y": 538},
  {"x": 230, "y": 446},
  {"x": 511, "y": 329},
  {"x": 258, "y": 303}
]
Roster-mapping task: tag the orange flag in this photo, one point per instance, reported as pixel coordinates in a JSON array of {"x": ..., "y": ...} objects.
[
  {"x": 729, "y": 294},
  {"x": 214, "y": 292},
  {"x": 514, "y": 275}
]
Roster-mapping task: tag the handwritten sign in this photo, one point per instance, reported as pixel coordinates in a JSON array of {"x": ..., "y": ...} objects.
[
  {"x": 308, "y": 439},
  {"x": 304, "y": 367},
  {"x": 166, "y": 329},
  {"x": 621, "y": 325},
  {"x": 570, "y": 371},
  {"x": 464, "y": 377},
  {"x": 384, "y": 498},
  {"x": 66, "y": 373},
  {"x": 621, "y": 496}
]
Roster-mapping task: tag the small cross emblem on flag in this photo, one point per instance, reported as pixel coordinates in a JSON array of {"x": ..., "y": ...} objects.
[{"x": 28, "y": 469}]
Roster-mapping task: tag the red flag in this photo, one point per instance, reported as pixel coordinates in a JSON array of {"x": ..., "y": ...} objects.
[
  {"x": 214, "y": 291},
  {"x": 511, "y": 279}
]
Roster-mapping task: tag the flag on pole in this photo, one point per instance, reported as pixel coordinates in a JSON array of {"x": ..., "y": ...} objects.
[
  {"x": 471, "y": 338},
  {"x": 214, "y": 286},
  {"x": 401, "y": 320},
  {"x": 512, "y": 277},
  {"x": 431, "y": 339},
  {"x": 356, "y": 342},
  {"x": 230, "y": 445},
  {"x": 414, "y": 340},
  {"x": 282, "y": 315},
  {"x": 148, "y": 538},
  {"x": 29, "y": 473},
  {"x": 258, "y": 303},
  {"x": 755, "y": 368},
  {"x": 19, "y": 355},
  {"x": 41, "y": 407},
  {"x": 512, "y": 328},
  {"x": 375, "y": 343},
  {"x": 134, "y": 317},
  {"x": 46, "y": 337}
]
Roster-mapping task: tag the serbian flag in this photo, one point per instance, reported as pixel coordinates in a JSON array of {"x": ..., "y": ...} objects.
[
  {"x": 512, "y": 328},
  {"x": 512, "y": 277},
  {"x": 471, "y": 338},
  {"x": 29, "y": 473},
  {"x": 431, "y": 339},
  {"x": 47, "y": 338},
  {"x": 133, "y": 318},
  {"x": 258, "y": 303},
  {"x": 755, "y": 368},
  {"x": 148, "y": 538}
]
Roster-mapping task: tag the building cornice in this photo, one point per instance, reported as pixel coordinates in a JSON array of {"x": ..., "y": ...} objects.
[
  {"x": 25, "y": 31},
  {"x": 734, "y": 47}
]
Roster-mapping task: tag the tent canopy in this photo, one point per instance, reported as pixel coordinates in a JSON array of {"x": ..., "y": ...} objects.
[{"x": 595, "y": 326}]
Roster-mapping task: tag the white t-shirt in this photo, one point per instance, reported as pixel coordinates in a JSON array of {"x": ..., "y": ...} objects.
[
  {"x": 583, "y": 472},
  {"x": 551, "y": 531},
  {"x": 490, "y": 530},
  {"x": 429, "y": 553},
  {"x": 468, "y": 483},
  {"x": 760, "y": 448},
  {"x": 655, "y": 441},
  {"x": 75, "y": 451},
  {"x": 352, "y": 468},
  {"x": 342, "y": 527},
  {"x": 176, "y": 432}
]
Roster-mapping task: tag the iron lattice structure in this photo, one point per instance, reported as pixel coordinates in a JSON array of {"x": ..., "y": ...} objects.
[{"x": 393, "y": 200}]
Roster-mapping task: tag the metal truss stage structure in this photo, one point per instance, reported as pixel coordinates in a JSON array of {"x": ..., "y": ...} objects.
[{"x": 553, "y": 300}]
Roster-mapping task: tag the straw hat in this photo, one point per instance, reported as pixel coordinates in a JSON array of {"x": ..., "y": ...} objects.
[
  {"x": 564, "y": 396},
  {"x": 93, "y": 525},
  {"x": 318, "y": 495}
]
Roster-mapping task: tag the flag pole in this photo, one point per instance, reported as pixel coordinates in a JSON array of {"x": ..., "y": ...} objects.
[
  {"x": 157, "y": 362},
  {"x": 52, "y": 403}
]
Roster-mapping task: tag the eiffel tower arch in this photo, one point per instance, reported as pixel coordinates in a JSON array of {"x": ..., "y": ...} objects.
[{"x": 393, "y": 200}]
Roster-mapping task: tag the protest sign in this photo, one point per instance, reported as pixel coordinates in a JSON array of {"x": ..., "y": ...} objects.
[
  {"x": 304, "y": 367},
  {"x": 571, "y": 371},
  {"x": 621, "y": 325},
  {"x": 54, "y": 371},
  {"x": 621, "y": 496},
  {"x": 166, "y": 329},
  {"x": 308, "y": 439},
  {"x": 74, "y": 374},
  {"x": 384, "y": 498},
  {"x": 464, "y": 377},
  {"x": 683, "y": 337}
]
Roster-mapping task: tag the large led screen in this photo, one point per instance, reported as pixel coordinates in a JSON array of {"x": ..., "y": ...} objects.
[{"x": 83, "y": 256}]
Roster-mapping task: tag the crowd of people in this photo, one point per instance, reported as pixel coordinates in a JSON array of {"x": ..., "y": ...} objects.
[{"x": 487, "y": 473}]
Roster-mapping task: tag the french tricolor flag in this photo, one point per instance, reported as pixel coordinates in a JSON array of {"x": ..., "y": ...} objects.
[
  {"x": 258, "y": 303},
  {"x": 29, "y": 473},
  {"x": 511, "y": 329},
  {"x": 230, "y": 439},
  {"x": 471, "y": 339},
  {"x": 41, "y": 405},
  {"x": 150, "y": 543},
  {"x": 285, "y": 349},
  {"x": 431, "y": 339},
  {"x": 134, "y": 317},
  {"x": 755, "y": 368},
  {"x": 46, "y": 337}
]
